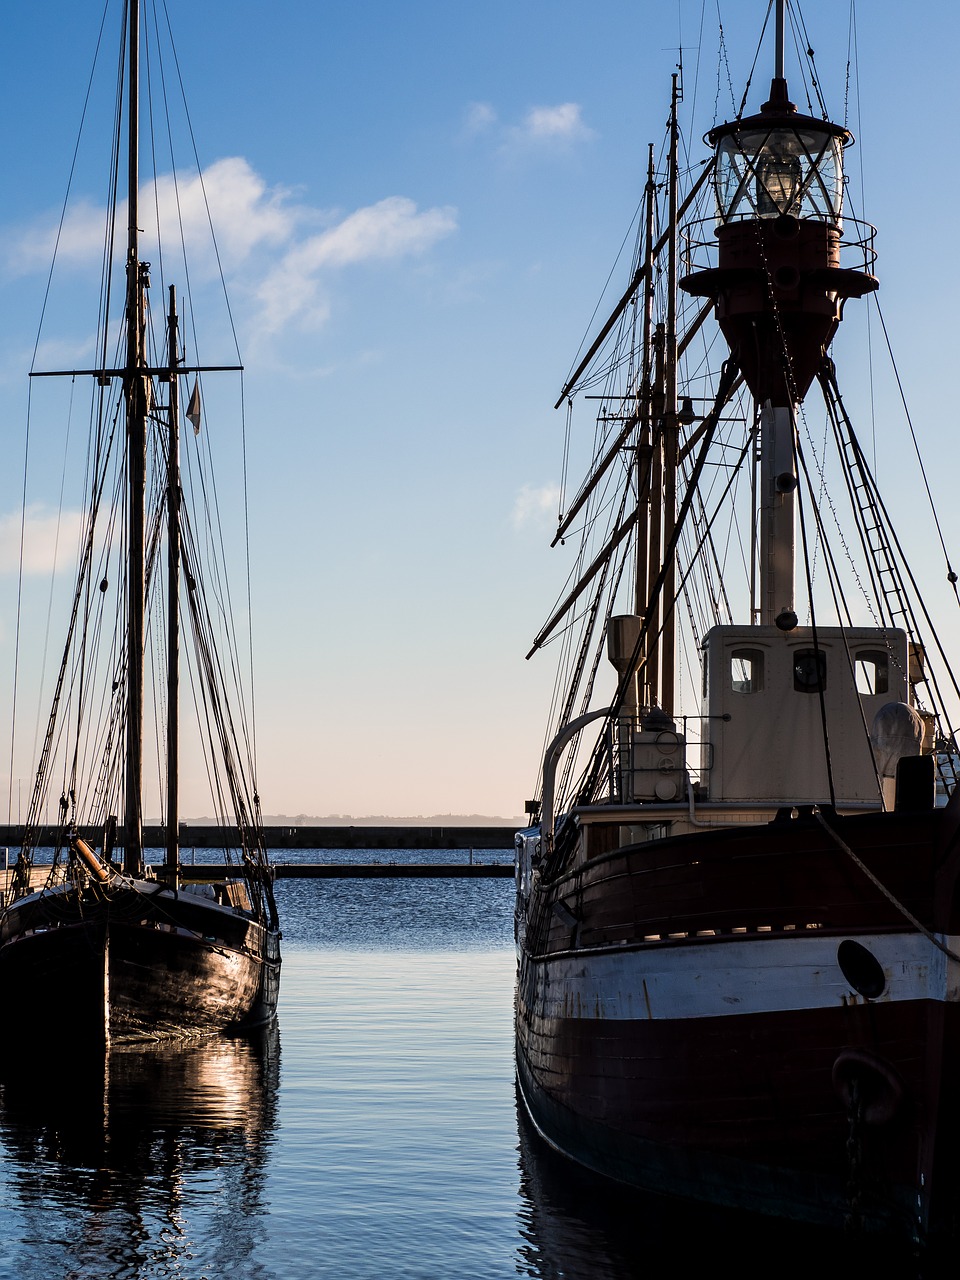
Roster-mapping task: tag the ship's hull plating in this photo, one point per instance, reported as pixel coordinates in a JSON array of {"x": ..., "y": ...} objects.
[
  {"x": 134, "y": 963},
  {"x": 792, "y": 1054}
]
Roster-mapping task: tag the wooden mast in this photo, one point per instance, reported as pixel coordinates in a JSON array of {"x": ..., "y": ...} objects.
[
  {"x": 670, "y": 427},
  {"x": 644, "y": 435},
  {"x": 173, "y": 602},
  {"x": 136, "y": 389}
]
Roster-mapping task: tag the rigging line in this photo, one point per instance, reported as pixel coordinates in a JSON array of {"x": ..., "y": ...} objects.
[
  {"x": 600, "y": 469},
  {"x": 203, "y": 188},
  {"x": 87, "y": 551},
  {"x": 727, "y": 378},
  {"x": 895, "y": 542},
  {"x": 153, "y": 140},
  {"x": 111, "y": 222},
  {"x": 599, "y": 561},
  {"x": 753, "y": 65},
  {"x": 811, "y": 58},
  {"x": 563, "y": 788},
  {"x": 657, "y": 588},
  {"x": 696, "y": 70},
  {"x": 816, "y": 643},
  {"x": 723, "y": 62},
  {"x": 638, "y": 416},
  {"x": 219, "y": 580},
  {"x": 851, "y": 44},
  {"x": 898, "y": 567},
  {"x": 638, "y": 277},
  {"x": 841, "y": 607},
  {"x": 840, "y": 602},
  {"x": 821, "y": 497},
  {"x": 70, "y": 177},
  {"x": 53, "y": 572},
  {"x": 951, "y": 576},
  {"x": 853, "y": 54},
  {"x": 565, "y": 462},
  {"x": 606, "y": 284},
  {"x": 214, "y": 681},
  {"x": 569, "y": 670},
  {"x": 836, "y": 414},
  {"x": 796, "y": 48},
  {"x": 252, "y": 739},
  {"x": 16, "y": 643}
]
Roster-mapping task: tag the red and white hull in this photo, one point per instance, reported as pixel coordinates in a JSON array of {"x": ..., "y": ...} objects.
[{"x": 741, "y": 1062}]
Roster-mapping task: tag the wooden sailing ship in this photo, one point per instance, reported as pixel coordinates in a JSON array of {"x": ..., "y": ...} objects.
[
  {"x": 738, "y": 921},
  {"x": 98, "y": 943}
]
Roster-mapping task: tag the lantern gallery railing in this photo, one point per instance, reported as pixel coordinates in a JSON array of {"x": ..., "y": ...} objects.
[{"x": 854, "y": 238}]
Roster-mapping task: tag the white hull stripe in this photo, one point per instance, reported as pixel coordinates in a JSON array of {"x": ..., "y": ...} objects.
[{"x": 776, "y": 975}]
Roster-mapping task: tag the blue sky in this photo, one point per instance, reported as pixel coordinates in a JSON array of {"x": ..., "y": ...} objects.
[{"x": 418, "y": 205}]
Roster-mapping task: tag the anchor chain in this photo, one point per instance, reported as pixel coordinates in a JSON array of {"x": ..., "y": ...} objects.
[{"x": 853, "y": 1220}]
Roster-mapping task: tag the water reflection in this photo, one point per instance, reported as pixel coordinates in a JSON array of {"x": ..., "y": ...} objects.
[
  {"x": 149, "y": 1160},
  {"x": 575, "y": 1226}
]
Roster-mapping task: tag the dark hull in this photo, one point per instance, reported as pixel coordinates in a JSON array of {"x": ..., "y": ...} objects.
[
  {"x": 133, "y": 963},
  {"x": 687, "y": 1021}
]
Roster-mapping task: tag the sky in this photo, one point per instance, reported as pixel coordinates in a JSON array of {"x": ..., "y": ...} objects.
[{"x": 418, "y": 206}]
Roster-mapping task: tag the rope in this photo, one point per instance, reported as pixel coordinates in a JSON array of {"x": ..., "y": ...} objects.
[
  {"x": 951, "y": 576},
  {"x": 878, "y": 884}
]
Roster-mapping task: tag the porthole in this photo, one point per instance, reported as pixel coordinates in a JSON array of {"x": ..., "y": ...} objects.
[{"x": 861, "y": 969}]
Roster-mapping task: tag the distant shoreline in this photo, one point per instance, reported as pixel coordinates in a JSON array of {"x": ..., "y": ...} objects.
[{"x": 294, "y": 835}]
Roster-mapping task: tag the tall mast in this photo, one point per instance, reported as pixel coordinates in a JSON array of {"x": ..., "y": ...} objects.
[
  {"x": 670, "y": 425},
  {"x": 135, "y": 387},
  {"x": 642, "y": 576},
  {"x": 778, "y": 52},
  {"x": 173, "y": 601}
]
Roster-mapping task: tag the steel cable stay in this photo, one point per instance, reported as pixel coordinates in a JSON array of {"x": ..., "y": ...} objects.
[
  {"x": 63, "y": 684},
  {"x": 951, "y": 575},
  {"x": 825, "y": 732},
  {"x": 945, "y": 733},
  {"x": 838, "y": 596},
  {"x": 214, "y": 686},
  {"x": 895, "y": 572}
]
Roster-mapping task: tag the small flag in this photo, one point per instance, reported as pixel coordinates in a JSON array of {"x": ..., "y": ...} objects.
[{"x": 193, "y": 408}]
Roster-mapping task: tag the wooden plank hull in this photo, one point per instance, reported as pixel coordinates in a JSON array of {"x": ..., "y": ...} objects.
[
  {"x": 133, "y": 963},
  {"x": 689, "y": 1019}
]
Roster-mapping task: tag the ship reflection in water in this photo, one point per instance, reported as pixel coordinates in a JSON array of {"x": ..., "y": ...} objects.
[
  {"x": 134, "y": 1147},
  {"x": 574, "y": 1225}
]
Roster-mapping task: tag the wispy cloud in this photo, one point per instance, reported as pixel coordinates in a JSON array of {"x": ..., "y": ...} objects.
[
  {"x": 535, "y": 505},
  {"x": 50, "y": 540},
  {"x": 480, "y": 117},
  {"x": 230, "y": 195},
  {"x": 541, "y": 128},
  {"x": 281, "y": 249},
  {"x": 391, "y": 229},
  {"x": 562, "y": 123}
]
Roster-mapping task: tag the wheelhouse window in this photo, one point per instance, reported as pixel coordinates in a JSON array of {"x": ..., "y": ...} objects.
[
  {"x": 873, "y": 671},
  {"x": 746, "y": 670},
  {"x": 809, "y": 670}
]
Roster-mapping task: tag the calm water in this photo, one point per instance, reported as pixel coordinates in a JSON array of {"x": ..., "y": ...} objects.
[{"x": 374, "y": 1134}]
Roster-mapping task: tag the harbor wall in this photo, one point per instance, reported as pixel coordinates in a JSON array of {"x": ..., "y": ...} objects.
[{"x": 204, "y": 836}]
